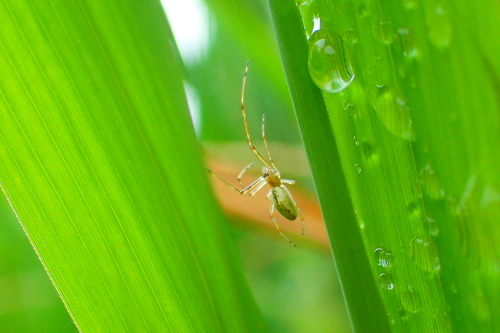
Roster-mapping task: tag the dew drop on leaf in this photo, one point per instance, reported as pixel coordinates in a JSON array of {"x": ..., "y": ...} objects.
[
  {"x": 410, "y": 300},
  {"x": 385, "y": 281},
  {"x": 329, "y": 61},
  {"x": 384, "y": 257}
]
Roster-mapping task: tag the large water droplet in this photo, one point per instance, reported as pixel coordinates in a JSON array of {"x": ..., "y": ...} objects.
[
  {"x": 385, "y": 281},
  {"x": 439, "y": 25},
  {"x": 425, "y": 255},
  {"x": 330, "y": 63},
  {"x": 392, "y": 110},
  {"x": 384, "y": 257},
  {"x": 410, "y": 300},
  {"x": 408, "y": 43}
]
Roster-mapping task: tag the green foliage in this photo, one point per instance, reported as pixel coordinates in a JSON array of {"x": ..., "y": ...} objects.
[
  {"x": 419, "y": 160},
  {"x": 100, "y": 162}
]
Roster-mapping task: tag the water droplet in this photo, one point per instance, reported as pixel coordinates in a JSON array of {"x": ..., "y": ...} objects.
[
  {"x": 408, "y": 43},
  {"x": 415, "y": 210},
  {"x": 350, "y": 108},
  {"x": 430, "y": 182},
  {"x": 329, "y": 61},
  {"x": 384, "y": 32},
  {"x": 439, "y": 26},
  {"x": 410, "y": 300},
  {"x": 358, "y": 168},
  {"x": 480, "y": 306},
  {"x": 363, "y": 11},
  {"x": 351, "y": 36},
  {"x": 356, "y": 141},
  {"x": 417, "y": 189},
  {"x": 431, "y": 226},
  {"x": 310, "y": 17},
  {"x": 385, "y": 281},
  {"x": 390, "y": 316},
  {"x": 392, "y": 110},
  {"x": 425, "y": 255},
  {"x": 490, "y": 195},
  {"x": 453, "y": 288},
  {"x": 384, "y": 257},
  {"x": 442, "y": 321},
  {"x": 401, "y": 312},
  {"x": 368, "y": 151}
]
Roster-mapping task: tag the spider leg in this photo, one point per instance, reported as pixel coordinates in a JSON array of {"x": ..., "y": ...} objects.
[
  {"x": 298, "y": 209},
  {"x": 250, "y": 188},
  {"x": 243, "y": 171},
  {"x": 271, "y": 213},
  {"x": 252, "y": 147},
  {"x": 288, "y": 181},
  {"x": 265, "y": 142},
  {"x": 255, "y": 190}
]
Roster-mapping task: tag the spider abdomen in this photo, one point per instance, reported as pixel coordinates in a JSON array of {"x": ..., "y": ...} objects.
[{"x": 283, "y": 203}]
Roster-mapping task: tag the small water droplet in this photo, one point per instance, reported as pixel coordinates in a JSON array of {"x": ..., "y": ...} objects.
[
  {"x": 425, "y": 255},
  {"x": 480, "y": 306},
  {"x": 358, "y": 168},
  {"x": 431, "y": 226},
  {"x": 442, "y": 321},
  {"x": 415, "y": 210},
  {"x": 408, "y": 43},
  {"x": 356, "y": 141},
  {"x": 392, "y": 110},
  {"x": 384, "y": 32},
  {"x": 351, "y": 109},
  {"x": 351, "y": 36},
  {"x": 385, "y": 258},
  {"x": 410, "y": 300},
  {"x": 330, "y": 65},
  {"x": 363, "y": 11},
  {"x": 368, "y": 151},
  {"x": 401, "y": 312},
  {"x": 430, "y": 183},
  {"x": 439, "y": 25},
  {"x": 310, "y": 18},
  {"x": 385, "y": 281},
  {"x": 453, "y": 288},
  {"x": 390, "y": 316}
]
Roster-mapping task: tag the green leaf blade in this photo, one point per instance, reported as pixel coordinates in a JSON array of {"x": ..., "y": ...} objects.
[{"x": 102, "y": 165}]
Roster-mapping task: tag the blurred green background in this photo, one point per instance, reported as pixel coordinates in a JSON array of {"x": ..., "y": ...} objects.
[{"x": 292, "y": 286}]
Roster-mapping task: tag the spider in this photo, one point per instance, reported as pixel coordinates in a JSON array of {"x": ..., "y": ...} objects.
[{"x": 279, "y": 193}]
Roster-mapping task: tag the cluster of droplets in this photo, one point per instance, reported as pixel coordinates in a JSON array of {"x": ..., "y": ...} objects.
[{"x": 385, "y": 259}]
